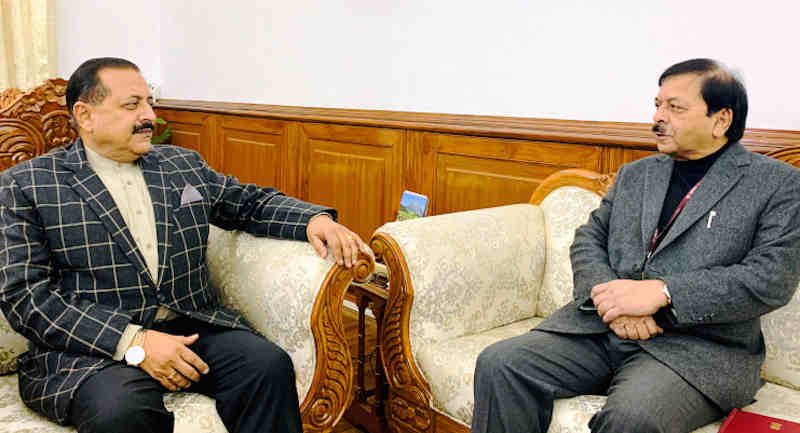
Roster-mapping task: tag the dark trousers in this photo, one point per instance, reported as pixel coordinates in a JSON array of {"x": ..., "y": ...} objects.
[
  {"x": 516, "y": 381},
  {"x": 251, "y": 379}
]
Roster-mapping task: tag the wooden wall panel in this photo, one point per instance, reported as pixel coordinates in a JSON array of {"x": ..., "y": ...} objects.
[
  {"x": 464, "y": 183},
  {"x": 360, "y": 161},
  {"x": 356, "y": 170},
  {"x": 194, "y": 131},
  {"x": 475, "y": 172},
  {"x": 253, "y": 150}
]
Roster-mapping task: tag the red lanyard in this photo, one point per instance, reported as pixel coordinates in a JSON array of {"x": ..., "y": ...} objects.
[{"x": 659, "y": 235}]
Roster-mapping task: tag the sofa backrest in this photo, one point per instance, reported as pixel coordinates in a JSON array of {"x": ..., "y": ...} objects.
[
  {"x": 564, "y": 209},
  {"x": 782, "y": 365},
  {"x": 471, "y": 271},
  {"x": 12, "y": 344}
]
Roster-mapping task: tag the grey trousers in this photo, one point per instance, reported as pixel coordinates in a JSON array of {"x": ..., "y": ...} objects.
[{"x": 516, "y": 381}]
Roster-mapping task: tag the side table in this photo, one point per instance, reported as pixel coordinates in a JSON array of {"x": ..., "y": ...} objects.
[{"x": 367, "y": 410}]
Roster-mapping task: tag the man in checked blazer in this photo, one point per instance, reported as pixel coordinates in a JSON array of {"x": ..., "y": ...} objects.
[
  {"x": 671, "y": 275},
  {"x": 102, "y": 257}
]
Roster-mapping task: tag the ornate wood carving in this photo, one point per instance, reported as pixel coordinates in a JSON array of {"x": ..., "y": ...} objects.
[
  {"x": 32, "y": 123},
  {"x": 593, "y": 181},
  {"x": 409, "y": 393},
  {"x": 332, "y": 387}
]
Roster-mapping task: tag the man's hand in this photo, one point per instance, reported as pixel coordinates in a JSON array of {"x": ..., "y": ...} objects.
[
  {"x": 635, "y": 328},
  {"x": 322, "y": 231},
  {"x": 628, "y": 298},
  {"x": 169, "y": 361}
]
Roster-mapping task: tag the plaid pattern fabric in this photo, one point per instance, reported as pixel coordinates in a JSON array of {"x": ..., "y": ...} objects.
[{"x": 72, "y": 277}]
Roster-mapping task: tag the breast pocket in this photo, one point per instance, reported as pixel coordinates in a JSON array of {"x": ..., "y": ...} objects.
[{"x": 190, "y": 234}]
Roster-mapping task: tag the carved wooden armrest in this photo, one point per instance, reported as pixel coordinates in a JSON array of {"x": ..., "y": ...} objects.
[{"x": 293, "y": 297}]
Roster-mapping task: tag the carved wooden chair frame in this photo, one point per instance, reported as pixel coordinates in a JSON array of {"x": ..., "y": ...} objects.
[
  {"x": 410, "y": 403},
  {"x": 33, "y": 123}
]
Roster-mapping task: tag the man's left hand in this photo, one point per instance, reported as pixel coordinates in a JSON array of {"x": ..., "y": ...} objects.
[
  {"x": 628, "y": 298},
  {"x": 344, "y": 244}
]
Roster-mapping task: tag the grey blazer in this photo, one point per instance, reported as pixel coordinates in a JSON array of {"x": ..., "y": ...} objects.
[{"x": 722, "y": 276}]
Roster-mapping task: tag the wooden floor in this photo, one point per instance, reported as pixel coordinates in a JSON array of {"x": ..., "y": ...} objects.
[{"x": 351, "y": 330}]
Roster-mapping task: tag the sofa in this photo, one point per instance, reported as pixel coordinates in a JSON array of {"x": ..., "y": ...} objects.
[
  {"x": 282, "y": 287},
  {"x": 462, "y": 281}
]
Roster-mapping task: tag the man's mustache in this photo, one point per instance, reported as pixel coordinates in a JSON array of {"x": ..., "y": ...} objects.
[
  {"x": 146, "y": 125},
  {"x": 658, "y": 128}
]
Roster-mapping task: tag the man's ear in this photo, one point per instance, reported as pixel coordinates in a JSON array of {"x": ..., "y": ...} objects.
[
  {"x": 722, "y": 122},
  {"x": 84, "y": 116}
]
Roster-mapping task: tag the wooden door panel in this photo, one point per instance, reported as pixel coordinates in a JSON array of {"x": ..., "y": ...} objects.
[
  {"x": 252, "y": 158},
  {"x": 356, "y": 170},
  {"x": 465, "y": 183},
  {"x": 475, "y": 172},
  {"x": 253, "y": 150},
  {"x": 193, "y": 131}
]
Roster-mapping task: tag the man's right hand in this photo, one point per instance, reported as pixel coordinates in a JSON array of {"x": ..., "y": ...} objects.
[
  {"x": 635, "y": 327},
  {"x": 169, "y": 360}
]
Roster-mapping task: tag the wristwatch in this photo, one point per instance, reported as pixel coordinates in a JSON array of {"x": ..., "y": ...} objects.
[{"x": 135, "y": 353}]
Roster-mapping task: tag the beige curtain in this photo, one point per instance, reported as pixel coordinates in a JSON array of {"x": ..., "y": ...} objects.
[{"x": 27, "y": 43}]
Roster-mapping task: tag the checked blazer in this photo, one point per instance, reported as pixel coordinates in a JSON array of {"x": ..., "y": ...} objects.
[{"x": 72, "y": 277}]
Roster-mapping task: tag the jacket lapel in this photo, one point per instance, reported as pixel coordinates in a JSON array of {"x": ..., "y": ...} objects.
[
  {"x": 655, "y": 190},
  {"x": 721, "y": 177},
  {"x": 162, "y": 196},
  {"x": 88, "y": 185}
]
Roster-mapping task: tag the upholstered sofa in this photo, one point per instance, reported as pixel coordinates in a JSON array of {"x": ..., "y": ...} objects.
[
  {"x": 461, "y": 281},
  {"x": 282, "y": 287}
]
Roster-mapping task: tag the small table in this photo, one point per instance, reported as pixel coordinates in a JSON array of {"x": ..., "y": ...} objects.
[{"x": 367, "y": 409}]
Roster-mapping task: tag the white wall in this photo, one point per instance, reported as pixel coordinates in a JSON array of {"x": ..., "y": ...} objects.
[
  {"x": 109, "y": 28},
  {"x": 570, "y": 59}
]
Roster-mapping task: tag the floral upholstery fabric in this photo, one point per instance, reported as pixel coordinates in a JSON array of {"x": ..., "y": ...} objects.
[
  {"x": 448, "y": 366},
  {"x": 194, "y": 413},
  {"x": 12, "y": 345},
  {"x": 565, "y": 209},
  {"x": 274, "y": 284},
  {"x": 782, "y": 365},
  {"x": 471, "y": 271}
]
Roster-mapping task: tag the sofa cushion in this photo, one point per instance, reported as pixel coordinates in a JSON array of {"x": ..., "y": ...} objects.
[
  {"x": 782, "y": 364},
  {"x": 194, "y": 413},
  {"x": 12, "y": 345},
  {"x": 449, "y": 366},
  {"x": 565, "y": 209},
  {"x": 471, "y": 271}
]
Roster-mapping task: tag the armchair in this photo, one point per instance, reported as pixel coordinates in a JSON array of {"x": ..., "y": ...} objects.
[
  {"x": 285, "y": 291},
  {"x": 462, "y": 281}
]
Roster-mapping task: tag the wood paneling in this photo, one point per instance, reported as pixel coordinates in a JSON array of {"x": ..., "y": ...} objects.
[
  {"x": 614, "y": 134},
  {"x": 254, "y": 150},
  {"x": 360, "y": 161},
  {"x": 193, "y": 130},
  {"x": 356, "y": 170},
  {"x": 476, "y": 172}
]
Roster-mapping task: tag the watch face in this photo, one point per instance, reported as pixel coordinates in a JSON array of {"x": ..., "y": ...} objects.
[{"x": 134, "y": 355}]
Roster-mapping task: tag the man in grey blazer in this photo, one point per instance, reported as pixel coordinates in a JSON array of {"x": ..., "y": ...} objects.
[
  {"x": 671, "y": 275},
  {"x": 102, "y": 268}
]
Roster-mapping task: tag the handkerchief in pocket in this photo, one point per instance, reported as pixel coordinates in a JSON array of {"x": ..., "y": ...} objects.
[{"x": 190, "y": 194}]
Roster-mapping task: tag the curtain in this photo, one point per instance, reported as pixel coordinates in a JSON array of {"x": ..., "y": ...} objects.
[{"x": 27, "y": 43}]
